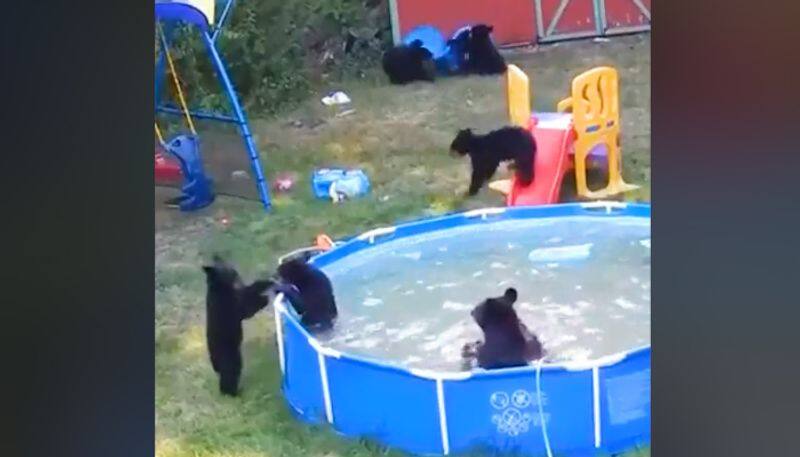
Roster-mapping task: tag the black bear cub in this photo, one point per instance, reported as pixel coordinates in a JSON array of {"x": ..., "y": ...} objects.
[
  {"x": 406, "y": 63},
  {"x": 483, "y": 57},
  {"x": 487, "y": 151},
  {"x": 310, "y": 292},
  {"x": 228, "y": 302},
  {"x": 507, "y": 342}
]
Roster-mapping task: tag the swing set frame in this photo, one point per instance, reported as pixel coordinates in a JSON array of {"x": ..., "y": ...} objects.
[{"x": 169, "y": 15}]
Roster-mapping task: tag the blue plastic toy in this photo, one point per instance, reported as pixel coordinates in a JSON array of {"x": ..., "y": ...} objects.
[
  {"x": 431, "y": 38},
  {"x": 448, "y": 55},
  {"x": 197, "y": 190},
  {"x": 348, "y": 183},
  {"x": 454, "y": 60}
]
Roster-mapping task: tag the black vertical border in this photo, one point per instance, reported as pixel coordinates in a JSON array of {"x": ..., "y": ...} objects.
[{"x": 77, "y": 189}]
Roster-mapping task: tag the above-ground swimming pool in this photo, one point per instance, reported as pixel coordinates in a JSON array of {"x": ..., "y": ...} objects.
[{"x": 390, "y": 370}]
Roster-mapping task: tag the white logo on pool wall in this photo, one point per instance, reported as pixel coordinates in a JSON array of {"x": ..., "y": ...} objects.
[{"x": 515, "y": 411}]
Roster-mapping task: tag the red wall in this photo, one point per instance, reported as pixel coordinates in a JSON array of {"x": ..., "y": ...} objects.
[
  {"x": 624, "y": 13},
  {"x": 578, "y": 16},
  {"x": 513, "y": 20}
]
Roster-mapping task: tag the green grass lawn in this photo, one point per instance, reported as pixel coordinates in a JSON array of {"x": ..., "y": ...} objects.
[{"x": 400, "y": 136}]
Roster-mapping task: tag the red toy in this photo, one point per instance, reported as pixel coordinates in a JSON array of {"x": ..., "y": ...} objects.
[
  {"x": 167, "y": 169},
  {"x": 554, "y": 139},
  {"x": 284, "y": 182}
]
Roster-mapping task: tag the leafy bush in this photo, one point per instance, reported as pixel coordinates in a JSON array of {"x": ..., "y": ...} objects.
[{"x": 278, "y": 51}]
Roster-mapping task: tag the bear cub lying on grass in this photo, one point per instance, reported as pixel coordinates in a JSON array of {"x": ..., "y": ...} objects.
[
  {"x": 507, "y": 342},
  {"x": 406, "y": 63},
  {"x": 310, "y": 292},
  {"x": 487, "y": 151},
  {"x": 228, "y": 302}
]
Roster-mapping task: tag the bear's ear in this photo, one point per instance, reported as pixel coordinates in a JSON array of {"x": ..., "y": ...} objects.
[
  {"x": 489, "y": 28},
  {"x": 211, "y": 272},
  {"x": 416, "y": 44},
  {"x": 510, "y": 295}
]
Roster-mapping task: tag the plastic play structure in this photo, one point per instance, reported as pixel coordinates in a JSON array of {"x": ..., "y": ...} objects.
[
  {"x": 180, "y": 156},
  {"x": 567, "y": 140}
]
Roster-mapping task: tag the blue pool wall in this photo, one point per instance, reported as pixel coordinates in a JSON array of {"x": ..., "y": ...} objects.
[{"x": 597, "y": 406}]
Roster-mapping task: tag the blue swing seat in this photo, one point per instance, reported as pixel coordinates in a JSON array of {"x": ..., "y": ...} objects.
[{"x": 197, "y": 190}]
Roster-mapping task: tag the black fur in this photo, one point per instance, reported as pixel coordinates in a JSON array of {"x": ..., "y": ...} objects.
[
  {"x": 406, "y": 63},
  {"x": 483, "y": 57},
  {"x": 228, "y": 302},
  {"x": 310, "y": 292},
  {"x": 506, "y": 340},
  {"x": 487, "y": 151}
]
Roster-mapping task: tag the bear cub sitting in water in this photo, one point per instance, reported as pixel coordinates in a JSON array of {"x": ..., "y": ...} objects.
[
  {"x": 507, "y": 342},
  {"x": 310, "y": 292},
  {"x": 228, "y": 302},
  {"x": 487, "y": 151}
]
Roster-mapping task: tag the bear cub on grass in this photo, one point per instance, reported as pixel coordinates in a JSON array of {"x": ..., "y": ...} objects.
[
  {"x": 310, "y": 292},
  {"x": 406, "y": 63},
  {"x": 487, "y": 151},
  {"x": 507, "y": 342},
  {"x": 482, "y": 55},
  {"x": 228, "y": 302}
]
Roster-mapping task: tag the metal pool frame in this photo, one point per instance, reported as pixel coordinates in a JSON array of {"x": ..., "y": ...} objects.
[{"x": 599, "y": 405}]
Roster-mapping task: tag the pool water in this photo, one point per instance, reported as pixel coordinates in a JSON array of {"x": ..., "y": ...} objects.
[{"x": 583, "y": 283}]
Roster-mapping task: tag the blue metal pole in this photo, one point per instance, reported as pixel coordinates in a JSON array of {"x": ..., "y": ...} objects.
[
  {"x": 219, "y": 66},
  {"x": 226, "y": 11}
]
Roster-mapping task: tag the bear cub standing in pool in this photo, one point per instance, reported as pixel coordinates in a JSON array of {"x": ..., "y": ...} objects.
[
  {"x": 487, "y": 151},
  {"x": 228, "y": 302},
  {"x": 310, "y": 292},
  {"x": 507, "y": 342},
  {"x": 482, "y": 55},
  {"x": 406, "y": 63}
]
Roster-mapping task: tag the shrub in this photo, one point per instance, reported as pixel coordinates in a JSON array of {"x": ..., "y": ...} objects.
[{"x": 278, "y": 51}]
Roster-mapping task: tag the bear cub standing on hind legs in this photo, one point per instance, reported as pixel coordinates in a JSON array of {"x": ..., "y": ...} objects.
[
  {"x": 228, "y": 302},
  {"x": 487, "y": 151},
  {"x": 406, "y": 63},
  {"x": 310, "y": 292},
  {"x": 507, "y": 342}
]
